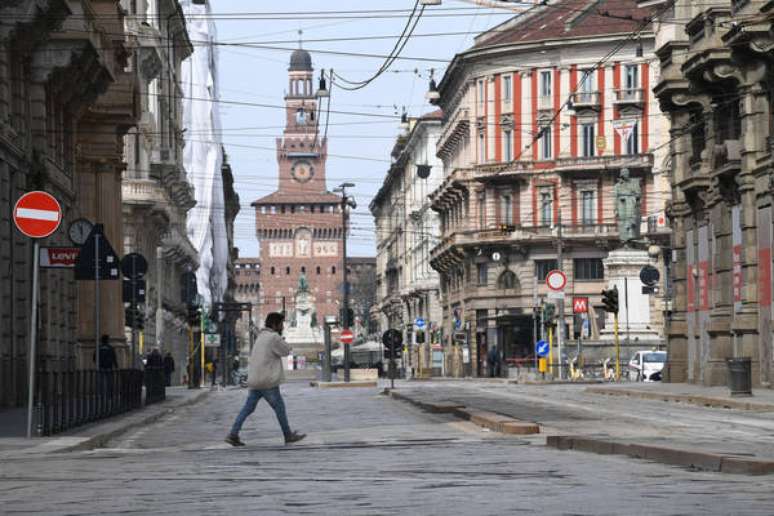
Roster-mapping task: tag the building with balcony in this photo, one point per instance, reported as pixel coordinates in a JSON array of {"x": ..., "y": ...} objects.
[
  {"x": 407, "y": 229},
  {"x": 157, "y": 194},
  {"x": 66, "y": 100},
  {"x": 540, "y": 117},
  {"x": 715, "y": 85}
]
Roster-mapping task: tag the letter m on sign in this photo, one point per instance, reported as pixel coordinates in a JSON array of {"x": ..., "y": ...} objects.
[{"x": 580, "y": 305}]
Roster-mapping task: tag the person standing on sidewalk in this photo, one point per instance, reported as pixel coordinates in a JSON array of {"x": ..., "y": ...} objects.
[
  {"x": 264, "y": 376},
  {"x": 169, "y": 368}
]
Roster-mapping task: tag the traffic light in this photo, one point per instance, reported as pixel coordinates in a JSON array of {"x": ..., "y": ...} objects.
[
  {"x": 193, "y": 316},
  {"x": 134, "y": 317},
  {"x": 549, "y": 312},
  {"x": 610, "y": 300},
  {"x": 349, "y": 320},
  {"x": 420, "y": 336}
]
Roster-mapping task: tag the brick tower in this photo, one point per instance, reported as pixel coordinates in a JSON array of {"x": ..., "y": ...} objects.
[{"x": 300, "y": 226}]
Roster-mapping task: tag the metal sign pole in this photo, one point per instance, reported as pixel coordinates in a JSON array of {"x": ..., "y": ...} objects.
[
  {"x": 96, "y": 302},
  {"x": 392, "y": 365},
  {"x": 133, "y": 310},
  {"x": 33, "y": 335}
]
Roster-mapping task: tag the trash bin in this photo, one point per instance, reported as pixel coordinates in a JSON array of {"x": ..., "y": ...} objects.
[{"x": 740, "y": 376}]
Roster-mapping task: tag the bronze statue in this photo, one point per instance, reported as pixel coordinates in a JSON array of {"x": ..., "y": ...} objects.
[
  {"x": 627, "y": 195},
  {"x": 303, "y": 285}
]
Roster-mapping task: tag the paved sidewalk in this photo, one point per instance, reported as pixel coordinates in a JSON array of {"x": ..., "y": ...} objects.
[
  {"x": 95, "y": 434},
  {"x": 717, "y": 397},
  {"x": 698, "y": 436}
]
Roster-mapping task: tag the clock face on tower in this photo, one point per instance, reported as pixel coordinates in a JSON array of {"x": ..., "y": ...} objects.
[{"x": 302, "y": 171}]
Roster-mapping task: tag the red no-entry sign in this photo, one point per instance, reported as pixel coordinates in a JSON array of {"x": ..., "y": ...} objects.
[
  {"x": 346, "y": 337},
  {"x": 37, "y": 214}
]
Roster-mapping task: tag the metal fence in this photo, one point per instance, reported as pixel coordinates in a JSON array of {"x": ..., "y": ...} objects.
[{"x": 69, "y": 399}]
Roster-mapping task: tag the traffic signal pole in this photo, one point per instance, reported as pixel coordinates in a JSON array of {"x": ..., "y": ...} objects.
[
  {"x": 617, "y": 349},
  {"x": 560, "y": 314}
]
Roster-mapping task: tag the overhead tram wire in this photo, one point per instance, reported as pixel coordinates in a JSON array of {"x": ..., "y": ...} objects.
[{"x": 400, "y": 44}]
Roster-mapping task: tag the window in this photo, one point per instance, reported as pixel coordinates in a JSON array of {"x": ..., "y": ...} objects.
[
  {"x": 588, "y": 269},
  {"x": 546, "y": 207},
  {"x": 507, "y": 88},
  {"x": 272, "y": 271},
  {"x": 318, "y": 269},
  {"x": 545, "y": 143},
  {"x": 333, "y": 270},
  {"x": 587, "y": 207},
  {"x": 633, "y": 142},
  {"x": 507, "y": 145},
  {"x": 507, "y": 280},
  {"x": 287, "y": 270},
  {"x": 481, "y": 92},
  {"x": 631, "y": 72},
  {"x": 506, "y": 208},
  {"x": 545, "y": 84},
  {"x": 282, "y": 209},
  {"x": 587, "y": 82},
  {"x": 587, "y": 135},
  {"x": 481, "y": 153},
  {"x": 483, "y": 274},
  {"x": 543, "y": 267},
  {"x": 482, "y": 210},
  {"x": 303, "y": 270}
]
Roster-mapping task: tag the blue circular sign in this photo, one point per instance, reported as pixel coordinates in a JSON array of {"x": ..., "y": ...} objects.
[
  {"x": 541, "y": 348},
  {"x": 420, "y": 323}
]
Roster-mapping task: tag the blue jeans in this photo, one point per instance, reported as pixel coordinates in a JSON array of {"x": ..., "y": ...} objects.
[{"x": 274, "y": 398}]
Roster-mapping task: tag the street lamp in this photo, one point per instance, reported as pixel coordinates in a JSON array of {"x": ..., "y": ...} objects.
[
  {"x": 322, "y": 91},
  {"x": 432, "y": 94},
  {"x": 346, "y": 202}
]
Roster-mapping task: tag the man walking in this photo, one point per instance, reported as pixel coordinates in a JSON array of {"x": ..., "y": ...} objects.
[
  {"x": 264, "y": 376},
  {"x": 169, "y": 368}
]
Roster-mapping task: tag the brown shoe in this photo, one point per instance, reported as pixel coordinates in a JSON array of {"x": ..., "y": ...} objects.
[
  {"x": 234, "y": 440},
  {"x": 294, "y": 438}
]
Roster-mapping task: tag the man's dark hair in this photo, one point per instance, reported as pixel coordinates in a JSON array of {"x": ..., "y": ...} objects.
[
  {"x": 105, "y": 339},
  {"x": 274, "y": 319}
]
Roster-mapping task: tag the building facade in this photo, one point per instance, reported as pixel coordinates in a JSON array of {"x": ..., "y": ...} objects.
[
  {"x": 538, "y": 124},
  {"x": 66, "y": 100},
  {"x": 716, "y": 86},
  {"x": 247, "y": 276},
  {"x": 407, "y": 229},
  {"x": 157, "y": 194},
  {"x": 300, "y": 226}
]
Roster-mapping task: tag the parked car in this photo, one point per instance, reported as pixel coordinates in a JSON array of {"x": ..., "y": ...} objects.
[{"x": 646, "y": 366}]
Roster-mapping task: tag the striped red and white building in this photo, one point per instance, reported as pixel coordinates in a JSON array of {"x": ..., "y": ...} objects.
[{"x": 541, "y": 114}]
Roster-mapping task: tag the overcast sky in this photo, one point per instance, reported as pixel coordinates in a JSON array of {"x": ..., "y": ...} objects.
[{"x": 359, "y": 146}]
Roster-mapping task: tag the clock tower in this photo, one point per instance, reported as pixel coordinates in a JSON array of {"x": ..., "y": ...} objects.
[{"x": 300, "y": 225}]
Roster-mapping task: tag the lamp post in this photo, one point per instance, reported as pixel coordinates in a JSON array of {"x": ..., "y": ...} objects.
[{"x": 346, "y": 203}]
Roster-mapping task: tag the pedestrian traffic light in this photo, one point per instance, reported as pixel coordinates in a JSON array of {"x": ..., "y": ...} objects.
[
  {"x": 420, "y": 336},
  {"x": 549, "y": 312},
  {"x": 610, "y": 300}
]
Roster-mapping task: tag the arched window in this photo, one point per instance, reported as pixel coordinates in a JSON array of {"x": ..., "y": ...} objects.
[
  {"x": 507, "y": 280},
  {"x": 272, "y": 271},
  {"x": 318, "y": 269},
  {"x": 333, "y": 270}
]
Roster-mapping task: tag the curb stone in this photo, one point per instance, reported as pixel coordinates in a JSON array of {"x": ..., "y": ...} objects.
[
  {"x": 695, "y": 459},
  {"x": 99, "y": 440},
  {"x": 342, "y": 385},
  {"x": 702, "y": 401},
  {"x": 482, "y": 418}
]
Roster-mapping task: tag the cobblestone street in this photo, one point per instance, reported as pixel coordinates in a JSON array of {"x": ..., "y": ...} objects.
[{"x": 365, "y": 454}]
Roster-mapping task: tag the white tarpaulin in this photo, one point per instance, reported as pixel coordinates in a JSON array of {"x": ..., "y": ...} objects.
[{"x": 202, "y": 155}]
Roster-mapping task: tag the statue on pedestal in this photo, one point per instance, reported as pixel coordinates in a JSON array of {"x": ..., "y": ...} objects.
[{"x": 627, "y": 195}]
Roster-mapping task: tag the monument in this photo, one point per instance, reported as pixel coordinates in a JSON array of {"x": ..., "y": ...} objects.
[
  {"x": 623, "y": 265},
  {"x": 302, "y": 331}
]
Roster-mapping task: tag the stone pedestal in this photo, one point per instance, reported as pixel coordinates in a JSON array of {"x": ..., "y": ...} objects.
[
  {"x": 300, "y": 334},
  {"x": 622, "y": 270}
]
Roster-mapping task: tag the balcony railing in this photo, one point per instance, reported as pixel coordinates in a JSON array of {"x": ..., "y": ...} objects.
[
  {"x": 629, "y": 96},
  {"x": 585, "y": 99}
]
